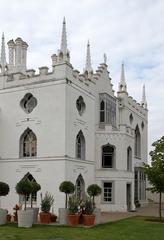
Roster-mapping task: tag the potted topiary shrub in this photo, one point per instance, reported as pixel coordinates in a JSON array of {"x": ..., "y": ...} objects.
[
  {"x": 46, "y": 203},
  {"x": 88, "y": 216},
  {"x": 4, "y": 190},
  {"x": 73, "y": 216},
  {"x": 35, "y": 188},
  {"x": 68, "y": 188},
  {"x": 94, "y": 190},
  {"x": 25, "y": 217}
]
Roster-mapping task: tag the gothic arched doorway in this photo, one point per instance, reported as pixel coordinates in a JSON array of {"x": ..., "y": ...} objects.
[{"x": 80, "y": 188}]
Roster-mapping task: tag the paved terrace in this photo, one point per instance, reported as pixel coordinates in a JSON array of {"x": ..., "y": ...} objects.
[{"x": 150, "y": 210}]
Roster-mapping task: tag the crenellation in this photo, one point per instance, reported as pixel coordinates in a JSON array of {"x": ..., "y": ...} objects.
[
  {"x": 76, "y": 74},
  {"x": 43, "y": 70},
  {"x": 30, "y": 73}
]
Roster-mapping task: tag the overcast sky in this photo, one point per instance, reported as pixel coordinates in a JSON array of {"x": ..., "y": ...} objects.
[{"x": 126, "y": 30}]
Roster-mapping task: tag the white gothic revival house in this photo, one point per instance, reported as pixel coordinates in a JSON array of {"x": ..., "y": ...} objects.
[{"x": 62, "y": 125}]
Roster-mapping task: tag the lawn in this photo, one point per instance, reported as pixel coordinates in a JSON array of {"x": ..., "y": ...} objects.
[{"x": 136, "y": 228}]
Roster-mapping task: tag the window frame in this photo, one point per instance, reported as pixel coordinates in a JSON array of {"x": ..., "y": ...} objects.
[
  {"x": 137, "y": 143},
  {"x": 112, "y": 192},
  {"x": 113, "y": 156},
  {"x": 109, "y": 109},
  {"x": 129, "y": 159}
]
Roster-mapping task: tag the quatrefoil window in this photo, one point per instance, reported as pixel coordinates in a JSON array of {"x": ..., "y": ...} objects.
[
  {"x": 28, "y": 103},
  {"x": 80, "y": 105}
]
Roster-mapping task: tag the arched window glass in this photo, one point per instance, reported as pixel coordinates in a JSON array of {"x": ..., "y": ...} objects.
[
  {"x": 80, "y": 146},
  {"x": 80, "y": 105},
  {"x": 102, "y": 111},
  {"x": 28, "y": 144},
  {"x": 129, "y": 159},
  {"x": 107, "y": 108},
  {"x": 108, "y": 156},
  {"x": 28, "y": 103},
  {"x": 137, "y": 146}
]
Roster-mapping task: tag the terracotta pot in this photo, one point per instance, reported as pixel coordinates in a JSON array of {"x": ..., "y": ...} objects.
[
  {"x": 53, "y": 218},
  {"x": 15, "y": 218},
  {"x": 88, "y": 220},
  {"x": 8, "y": 217},
  {"x": 73, "y": 219},
  {"x": 45, "y": 218}
]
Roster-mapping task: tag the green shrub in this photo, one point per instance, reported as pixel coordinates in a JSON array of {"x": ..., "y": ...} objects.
[
  {"x": 47, "y": 202},
  {"x": 73, "y": 204},
  {"x": 4, "y": 189},
  {"x": 89, "y": 208}
]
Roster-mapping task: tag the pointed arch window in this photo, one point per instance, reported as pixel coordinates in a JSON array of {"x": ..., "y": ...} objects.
[
  {"x": 129, "y": 159},
  {"x": 137, "y": 146},
  {"x": 28, "y": 144},
  {"x": 80, "y": 188},
  {"x": 108, "y": 153},
  {"x": 80, "y": 146},
  {"x": 29, "y": 197}
]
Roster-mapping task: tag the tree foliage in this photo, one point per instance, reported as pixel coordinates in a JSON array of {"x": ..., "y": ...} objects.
[
  {"x": 24, "y": 187},
  {"x": 93, "y": 190},
  {"x": 4, "y": 189},
  {"x": 155, "y": 172},
  {"x": 67, "y": 187}
]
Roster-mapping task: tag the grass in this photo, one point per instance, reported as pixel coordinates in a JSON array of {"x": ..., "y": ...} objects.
[{"x": 136, "y": 228}]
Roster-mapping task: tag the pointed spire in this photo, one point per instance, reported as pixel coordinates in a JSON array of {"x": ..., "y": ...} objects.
[
  {"x": 122, "y": 83},
  {"x": 3, "y": 54},
  {"x": 144, "y": 102},
  {"x": 88, "y": 67},
  {"x": 105, "y": 58},
  {"x": 63, "y": 46},
  {"x": 63, "y": 53}
]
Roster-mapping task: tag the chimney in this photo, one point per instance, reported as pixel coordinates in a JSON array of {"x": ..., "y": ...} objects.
[{"x": 24, "y": 55}]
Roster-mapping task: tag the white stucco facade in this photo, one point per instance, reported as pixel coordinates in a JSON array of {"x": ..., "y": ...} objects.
[{"x": 55, "y": 120}]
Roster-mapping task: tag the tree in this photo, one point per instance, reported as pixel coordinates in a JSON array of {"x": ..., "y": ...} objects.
[
  {"x": 24, "y": 187},
  {"x": 155, "y": 172},
  {"x": 93, "y": 190},
  {"x": 35, "y": 188},
  {"x": 67, "y": 187}
]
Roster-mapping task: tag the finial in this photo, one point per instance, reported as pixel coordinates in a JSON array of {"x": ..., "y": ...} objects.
[
  {"x": 105, "y": 58},
  {"x": 3, "y": 54},
  {"x": 88, "y": 67},
  {"x": 143, "y": 101},
  {"x": 122, "y": 83}
]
